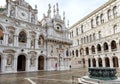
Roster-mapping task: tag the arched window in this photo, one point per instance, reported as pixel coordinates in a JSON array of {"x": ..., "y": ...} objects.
[
  {"x": 22, "y": 37},
  {"x": 73, "y": 52},
  {"x": 98, "y": 48},
  {"x": 87, "y": 39},
  {"x": 114, "y": 29},
  {"x": 92, "y": 23},
  {"x": 33, "y": 18},
  {"x": 67, "y": 53},
  {"x": 93, "y": 49},
  {"x": 115, "y": 11},
  {"x": 97, "y": 20},
  {"x": 87, "y": 51},
  {"x": 84, "y": 40},
  {"x": 81, "y": 51},
  {"x": 101, "y": 18},
  {"x": 76, "y": 53},
  {"x": 1, "y": 34},
  {"x": 82, "y": 29},
  {"x": 107, "y": 62},
  {"x": 90, "y": 38},
  {"x": 76, "y": 31},
  {"x": 115, "y": 62},
  {"x": 109, "y": 14},
  {"x": 113, "y": 45},
  {"x": 89, "y": 62},
  {"x": 94, "y": 62},
  {"x": 41, "y": 40},
  {"x": 94, "y": 37},
  {"x": 105, "y": 47},
  {"x": 100, "y": 62}
]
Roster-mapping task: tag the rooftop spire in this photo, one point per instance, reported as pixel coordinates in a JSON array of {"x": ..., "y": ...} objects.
[
  {"x": 35, "y": 6},
  {"x": 64, "y": 16},
  {"x": 54, "y": 10},
  {"x": 68, "y": 23},
  {"x": 49, "y": 10},
  {"x": 57, "y": 9}
]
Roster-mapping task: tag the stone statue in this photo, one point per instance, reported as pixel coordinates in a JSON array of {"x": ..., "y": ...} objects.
[{"x": 9, "y": 60}]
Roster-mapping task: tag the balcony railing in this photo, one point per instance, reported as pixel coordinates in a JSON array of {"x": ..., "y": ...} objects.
[
  {"x": 22, "y": 44},
  {"x": 63, "y": 39}
]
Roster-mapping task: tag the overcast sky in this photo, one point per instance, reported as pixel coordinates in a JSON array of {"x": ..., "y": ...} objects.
[{"x": 74, "y": 9}]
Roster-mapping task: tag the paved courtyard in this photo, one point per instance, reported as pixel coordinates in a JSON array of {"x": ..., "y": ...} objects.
[{"x": 42, "y": 77}]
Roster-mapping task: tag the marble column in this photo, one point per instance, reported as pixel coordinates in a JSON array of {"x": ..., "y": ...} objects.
[
  {"x": 91, "y": 61},
  {"x": 27, "y": 63},
  {"x": 36, "y": 43},
  {"x": 15, "y": 63},
  {"x": 103, "y": 62},
  {"x": 36, "y": 63},
  {"x": 111, "y": 62},
  {"x": 3, "y": 63},
  {"x": 97, "y": 65}
]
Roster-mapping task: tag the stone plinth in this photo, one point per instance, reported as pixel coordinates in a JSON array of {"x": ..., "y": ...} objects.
[{"x": 102, "y": 73}]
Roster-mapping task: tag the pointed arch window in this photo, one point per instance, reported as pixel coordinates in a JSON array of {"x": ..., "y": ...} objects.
[
  {"x": 41, "y": 40},
  {"x": 92, "y": 23},
  {"x": 113, "y": 45},
  {"x": 115, "y": 11},
  {"x": 67, "y": 52},
  {"x": 99, "y": 48},
  {"x": 109, "y": 14},
  {"x": 97, "y": 20},
  {"x": 87, "y": 51},
  {"x": 101, "y": 18},
  {"x": 105, "y": 47},
  {"x": 82, "y": 29},
  {"x": 93, "y": 49},
  {"x": 22, "y": 37}
]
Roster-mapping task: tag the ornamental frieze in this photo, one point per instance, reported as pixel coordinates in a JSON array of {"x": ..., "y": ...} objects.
[{"x": 9, "y": 51}]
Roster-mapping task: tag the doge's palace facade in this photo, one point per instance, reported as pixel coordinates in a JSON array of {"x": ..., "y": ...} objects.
[
  {"x": 27, "y": 44},
  {"x": 96, "y": 38}
]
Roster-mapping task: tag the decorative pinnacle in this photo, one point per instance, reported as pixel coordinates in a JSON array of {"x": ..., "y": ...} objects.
[
  {"x": 57, "y": 8},
  {"x": 64, "y": 16},
  {"x": 35, "y": 6},
  {"x": 68, "y": 23},
  {"x": 49, "y": 10},
  {"x": 54, "y": 10}
]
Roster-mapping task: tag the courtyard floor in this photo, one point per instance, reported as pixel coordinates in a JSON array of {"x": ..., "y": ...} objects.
[{"x": 43, "y": 77}]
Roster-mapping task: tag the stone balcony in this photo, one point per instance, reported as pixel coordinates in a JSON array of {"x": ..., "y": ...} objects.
[{"x": 59, "y": 39}]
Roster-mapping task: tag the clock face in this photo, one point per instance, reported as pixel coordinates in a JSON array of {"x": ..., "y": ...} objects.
[{"x": 23, "y": 15}]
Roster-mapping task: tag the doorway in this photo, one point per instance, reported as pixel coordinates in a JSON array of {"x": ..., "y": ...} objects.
[
  {"x": 41, "y": 63},
  {"x": 21, "y": 63}
]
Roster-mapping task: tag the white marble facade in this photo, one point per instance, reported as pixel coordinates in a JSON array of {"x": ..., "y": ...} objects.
[
  {"x": 27, "y": 44},
  {"x": 96, "y": 38}
]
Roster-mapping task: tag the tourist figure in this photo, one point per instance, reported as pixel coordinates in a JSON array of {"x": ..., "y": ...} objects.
[
  {"x": 56, "y": 66},
  {"x": 70, "y": 67}
]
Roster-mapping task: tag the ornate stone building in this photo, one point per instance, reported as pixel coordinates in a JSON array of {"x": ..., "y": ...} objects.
[
  {"x": 27, "y": 44},
  {"x": 96, "y": 38}
]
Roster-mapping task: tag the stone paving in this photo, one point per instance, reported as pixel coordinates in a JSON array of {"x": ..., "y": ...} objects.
[{"x": 42, "y": 77}]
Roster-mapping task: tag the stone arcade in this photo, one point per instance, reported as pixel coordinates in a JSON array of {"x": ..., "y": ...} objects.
[{"x": 27, "y": 44}]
